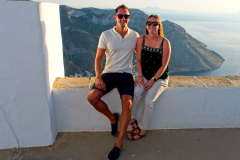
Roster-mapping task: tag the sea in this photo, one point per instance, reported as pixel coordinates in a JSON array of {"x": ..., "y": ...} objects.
[{"x": 220, "y": 32}]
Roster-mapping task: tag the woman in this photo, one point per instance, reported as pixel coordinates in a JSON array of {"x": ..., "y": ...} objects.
[{"x": 153, "y": 54}]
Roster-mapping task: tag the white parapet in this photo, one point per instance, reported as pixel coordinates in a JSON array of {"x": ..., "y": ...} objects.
[
  {"x": 30, "y": 58},
  {"x": 176, "y": 108}
]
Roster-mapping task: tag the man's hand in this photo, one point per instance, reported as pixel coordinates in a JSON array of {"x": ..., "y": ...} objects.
[
  {"x": 100, "y": 84},
  {"x": 149, "y": 84}
]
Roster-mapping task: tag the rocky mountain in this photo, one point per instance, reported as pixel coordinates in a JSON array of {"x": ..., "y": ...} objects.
[{"x": 81, "y": 29}]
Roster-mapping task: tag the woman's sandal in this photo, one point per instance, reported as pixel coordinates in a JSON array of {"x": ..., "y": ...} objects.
[
  {"x": 132, "y": 136},
  {"x": 134, "y": 129}
]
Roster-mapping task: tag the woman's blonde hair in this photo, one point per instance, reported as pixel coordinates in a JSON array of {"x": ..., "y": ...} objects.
[{"x": 160, "y": 30}]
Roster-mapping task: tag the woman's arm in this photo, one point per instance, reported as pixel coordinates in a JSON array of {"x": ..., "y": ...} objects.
[
  {"x": 165, "y": 58},
  {"x": 139, "y": 65},
  {"x": 138, "y": 51}
]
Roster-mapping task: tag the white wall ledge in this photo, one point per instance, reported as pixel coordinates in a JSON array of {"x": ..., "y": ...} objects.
[
  {"x": 177, "y": 108},
  {"x": 174, "y": 81}
]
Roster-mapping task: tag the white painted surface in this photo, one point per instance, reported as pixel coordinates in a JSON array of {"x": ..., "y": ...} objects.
[
  {"x": 74, "y": 113},
  {"x": 27, "y": 70},
  {"x": 52, "y": 53},
  {"x": 9, "y": 139},
  {"x": 176, "y": 108}
]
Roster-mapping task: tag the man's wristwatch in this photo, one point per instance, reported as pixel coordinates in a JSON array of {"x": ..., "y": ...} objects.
[{"x": 153, "y": 78}]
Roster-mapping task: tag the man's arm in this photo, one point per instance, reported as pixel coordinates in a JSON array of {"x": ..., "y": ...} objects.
[{"x": 98, "y": 69}]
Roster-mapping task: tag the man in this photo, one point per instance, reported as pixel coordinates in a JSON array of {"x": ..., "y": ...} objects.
[{"x": 118, "y": 44}]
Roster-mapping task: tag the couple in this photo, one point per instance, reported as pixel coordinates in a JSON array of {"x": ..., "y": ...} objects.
[{"x": 153, "y": 54}]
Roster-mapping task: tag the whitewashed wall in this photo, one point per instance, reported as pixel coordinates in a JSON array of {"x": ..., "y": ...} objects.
[
  {"x": 30, "y": 59},
  {"x": 176, "y": 108},
  {"x": 52, "y": 53}
]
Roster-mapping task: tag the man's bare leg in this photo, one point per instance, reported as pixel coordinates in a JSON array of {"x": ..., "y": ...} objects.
[
  {"x": 125, "y": 118},
  {"x": 94, "y": 98}
]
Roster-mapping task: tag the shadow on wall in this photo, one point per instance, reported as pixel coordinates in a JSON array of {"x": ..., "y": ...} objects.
[{"x": 48, "y": 86}]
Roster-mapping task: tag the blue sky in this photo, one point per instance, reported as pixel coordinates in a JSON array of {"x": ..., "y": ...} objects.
[{"x": 223, "y": 6}]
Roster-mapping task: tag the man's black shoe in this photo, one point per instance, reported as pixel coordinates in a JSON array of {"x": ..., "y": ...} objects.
[
  {"x": 115, "y": 125},
  {"x": 114, "y": 154}
]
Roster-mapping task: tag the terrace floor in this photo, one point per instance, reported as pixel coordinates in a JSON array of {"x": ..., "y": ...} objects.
[{"x": 184, "y": 144}]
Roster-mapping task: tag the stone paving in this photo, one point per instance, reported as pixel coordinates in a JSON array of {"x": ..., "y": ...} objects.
[{"x": 185, "y": 144}]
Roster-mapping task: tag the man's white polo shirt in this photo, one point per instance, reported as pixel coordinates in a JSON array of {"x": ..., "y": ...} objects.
[{"x": 119, "y": 51}]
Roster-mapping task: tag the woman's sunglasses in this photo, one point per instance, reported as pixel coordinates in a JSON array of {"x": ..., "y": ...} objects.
[
  {"x": 149, "y": 23},
  {"x": 126, "y": 16}
]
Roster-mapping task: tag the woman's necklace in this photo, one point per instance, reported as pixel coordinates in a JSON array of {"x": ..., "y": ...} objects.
[{"x": 152, "y": 41}]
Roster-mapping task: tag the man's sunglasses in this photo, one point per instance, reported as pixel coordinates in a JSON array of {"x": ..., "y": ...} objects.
[
  {"x": 126, "y": 16},
  {"x": 149, "y": 23}
]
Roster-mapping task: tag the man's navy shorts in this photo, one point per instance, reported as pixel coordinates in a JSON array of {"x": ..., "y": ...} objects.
[{"x": 122, "y": 81}]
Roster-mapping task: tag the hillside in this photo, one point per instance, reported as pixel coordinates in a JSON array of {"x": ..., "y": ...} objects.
[{"x": 81, "y": 29}]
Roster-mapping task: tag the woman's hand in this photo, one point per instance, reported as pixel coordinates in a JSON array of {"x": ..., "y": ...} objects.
[
  {"x": 139, "y": 81},
  {"x": 149, "y": 84}
]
